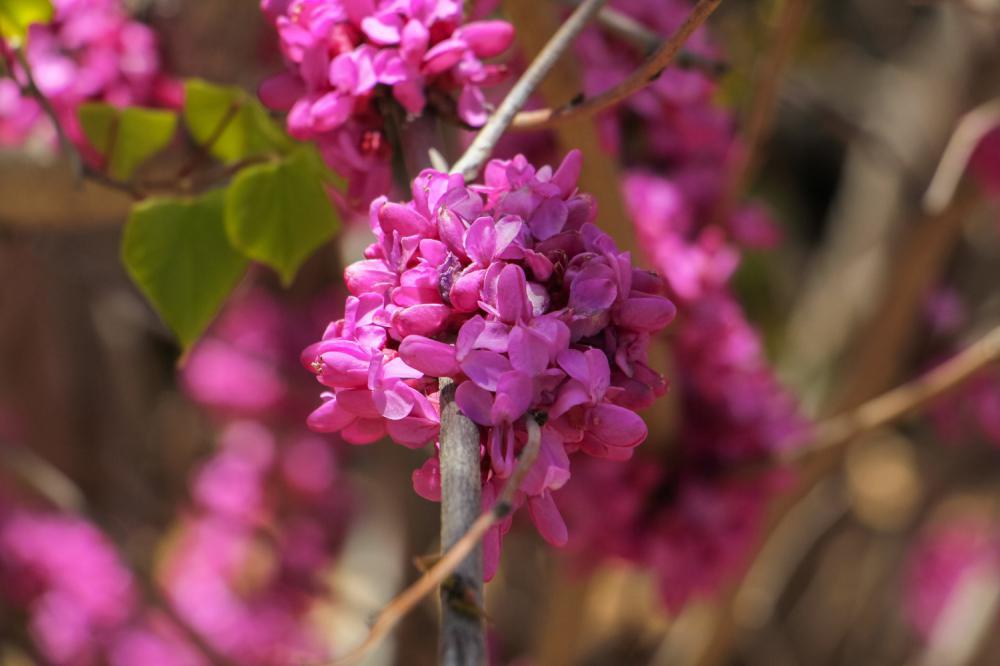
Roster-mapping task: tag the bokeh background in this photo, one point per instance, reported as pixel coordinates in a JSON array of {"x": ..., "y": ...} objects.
[{"x": 885, "y": 551}]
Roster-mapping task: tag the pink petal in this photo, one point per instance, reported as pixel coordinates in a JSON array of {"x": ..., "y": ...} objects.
[
  {"x": 646, "y": 313},
  {"x": 487, "y": 38},
  {"x": 427, "y": 480},
  {"x": 472, "y": 106},
  {"x": 443, "y": 56},
  {"x": 329, "y": 416},
  {"x": 527, "y": 351},
  {"x": 475, "y": 403},
  {"x": 545, "y": 515},
  {"x": 485, "y": 367},
  {"x": 514, "y": 395},
  {"x": 433, "y": 358}
]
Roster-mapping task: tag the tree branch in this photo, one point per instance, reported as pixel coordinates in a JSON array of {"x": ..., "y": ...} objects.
[
  {"x": 908, "y": 397},
  {"x": 971, "y": 128},
  {"x": 462, "y": 640},
  {"x": 453, "y": 557},
  {"x": 648, "y": 72},
  {"x": 889, "y": 406},
  {"x": 479, "y": 150}
]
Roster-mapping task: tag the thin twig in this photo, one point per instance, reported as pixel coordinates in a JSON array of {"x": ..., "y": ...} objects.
[
  {"x": 479, "y": 150},
  {"x": 649, "y": 41},
  {"x": 646, "y": 74},
  {"x": 450, "y": 560},
  {"x": 971, "y": 128},
  {"x": 761, "y": 115},
  {"x": 887, "y": 407},
  {"x": 908, "y": 397}
]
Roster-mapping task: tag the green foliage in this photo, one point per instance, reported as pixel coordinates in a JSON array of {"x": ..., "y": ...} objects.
[
  {"x": 186, "y": 254},
  {"x": 230, "y": 123},
  {"x": 126, "y": 137},
  {"x": 17, "y": 15},
  {"x": 177, "y": 252},
  {"x": 279, "y": 213}
]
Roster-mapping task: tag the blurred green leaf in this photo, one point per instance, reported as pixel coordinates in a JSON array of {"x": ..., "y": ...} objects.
[
  {"x": 229, "y": 123},
  {"x": 17, "y": 15},
  {"x": 279, "y": 213},
  {"x": 126, "y": 137},
  {"x": 177, "y": 252}
]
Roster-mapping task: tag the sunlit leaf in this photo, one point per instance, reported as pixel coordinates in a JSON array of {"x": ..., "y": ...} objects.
[
  {"x": 177, "y": 252},
  {"x": 17, "y": 15},
  {"x": 279, "y": 213},
  {"x": 231, "y": 124},
  {"x": 126, "y": 137}
]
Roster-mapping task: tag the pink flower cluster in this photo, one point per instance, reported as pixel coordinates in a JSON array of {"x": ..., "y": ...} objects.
[
  {"x": 688, "y": 517},
  {"x": 91, "y": 51},
  {"x": 269, "y": 511},
  {"x": 344, "y": 56},
  {"x": 83, "y": 605},
  {"x": 508, "y": 288},
  {"x": 947, "y": 561},
  {"x": 271, "y": 495},
  {"x": 686, "y": 514},
  {"x": 268, "y": 516}
]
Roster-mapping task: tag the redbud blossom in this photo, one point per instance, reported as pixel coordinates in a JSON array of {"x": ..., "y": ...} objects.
[{"x": 509, "y": 289}]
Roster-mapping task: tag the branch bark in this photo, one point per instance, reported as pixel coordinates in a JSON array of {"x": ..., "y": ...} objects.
[
  {"x": 453, "y": 556},
  {"x": 462, "y": 640}
]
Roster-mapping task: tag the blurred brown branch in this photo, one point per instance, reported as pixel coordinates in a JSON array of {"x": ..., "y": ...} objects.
[{"x": 646, "y": 74}]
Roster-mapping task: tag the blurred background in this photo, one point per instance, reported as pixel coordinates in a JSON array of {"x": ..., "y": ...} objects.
[{"x": 193, "y": 507}]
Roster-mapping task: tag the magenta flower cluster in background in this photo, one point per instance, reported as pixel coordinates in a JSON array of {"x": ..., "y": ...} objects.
[
  {"x": 83, "y": 604},
  {"x": 508, "y": 288},
  {"x": 269, "y": 510},
  {"x": 344, "y": 56},
  {"x": 949, "y": 560},
  {"x": 271, "y": 500},
  {"x": 686, "y": 513},
  {"x": 91, "y": 51}
]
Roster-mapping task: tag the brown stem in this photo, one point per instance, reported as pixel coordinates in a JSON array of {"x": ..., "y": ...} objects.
[
  {"x": 648, "y": 72},
  {"x": 453, "y": 557},
  {"x": 479, "y": 150},
  {"x": 462, "y": 639}
]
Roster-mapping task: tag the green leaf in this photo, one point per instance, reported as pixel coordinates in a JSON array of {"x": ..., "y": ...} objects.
[
  {"x": 126, "y": 137},
  {"x": 230, "y": 123},
  {"x": 17, "y": 15},
  {"x": 176, "y": 251},
  {"x": 279, "y": 213}
]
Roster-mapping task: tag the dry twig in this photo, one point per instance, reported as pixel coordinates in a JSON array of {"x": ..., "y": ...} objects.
[
  {"x": 479, "y": 150},
  {"x": 453, "y": 557},
  {"x": 647, "y": 73}
]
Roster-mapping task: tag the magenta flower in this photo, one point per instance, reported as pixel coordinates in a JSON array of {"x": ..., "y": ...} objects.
[
  {"x": 945, "y": 559},
  {"x": 509, "y": 289},
  {"x": 91, "y": 51},
  {"x": 344, "y": 56}
]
